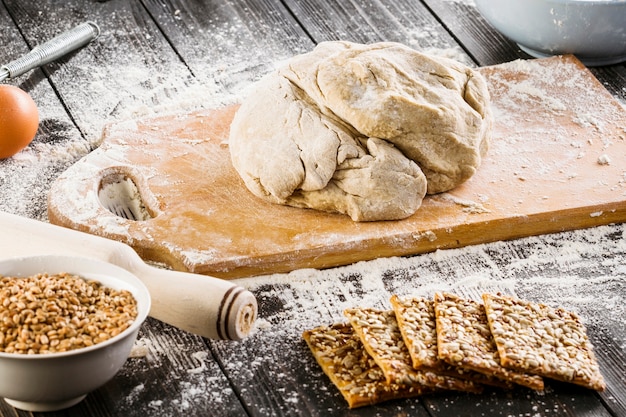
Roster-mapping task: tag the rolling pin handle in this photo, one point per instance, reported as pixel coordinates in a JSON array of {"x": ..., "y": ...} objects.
[{"x": 207, "y": 306}]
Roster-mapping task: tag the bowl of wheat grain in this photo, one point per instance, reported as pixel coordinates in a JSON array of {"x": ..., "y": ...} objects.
[{"x": 67, "y": 326}]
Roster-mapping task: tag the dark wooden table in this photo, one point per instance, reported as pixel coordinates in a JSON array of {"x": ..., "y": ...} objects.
[{"x": 154, "y": 57}]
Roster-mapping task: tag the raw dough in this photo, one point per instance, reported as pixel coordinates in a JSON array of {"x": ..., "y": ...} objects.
[{"x": 365, "y": 130}]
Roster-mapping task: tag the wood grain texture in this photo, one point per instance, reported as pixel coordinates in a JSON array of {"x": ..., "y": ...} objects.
[
  {"x": 474, "y": 34},
  {"x": 408, "y": 22},
  {"x": 56, "y": 132},
  {"x": 234, "y": 42},
  {"x": 541, "y": 175},
  {"x": 613, "y": 78},
  {"x": 176, "y": 374},
  {"x": 130, "y": 43},
  {"x": 272, "y": 373},
  {"x": 505, "y": 266}
]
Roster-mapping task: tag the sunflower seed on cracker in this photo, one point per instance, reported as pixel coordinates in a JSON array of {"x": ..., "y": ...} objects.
[
  {"x": 536, "y": 338},
  {"x": 381, "y": 337},
  {"x": 416, "y": 320},
  {"x": 340, "y": 354},
  {"x": 464, "y": 339}
]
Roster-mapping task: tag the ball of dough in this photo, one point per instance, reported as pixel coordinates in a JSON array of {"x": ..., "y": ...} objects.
[{"x": 365, "y": 130}]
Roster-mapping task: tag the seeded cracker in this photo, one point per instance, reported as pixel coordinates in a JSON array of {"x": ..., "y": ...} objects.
[
  {"x": 416, "y": 320},
  {"x": 340, "y": 354},
  {"x": 464, "y": 340},
  {"x": 381, "y": 337},
  {"x": 546, "y": 341}
]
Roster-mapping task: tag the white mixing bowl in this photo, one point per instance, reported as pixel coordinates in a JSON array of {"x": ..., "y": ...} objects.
[
  {"x": 53, "y": 381},
  {"x": 593, "y": 30}
]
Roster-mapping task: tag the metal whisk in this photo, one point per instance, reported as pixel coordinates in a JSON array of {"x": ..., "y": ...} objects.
[{"x": 53, "y": 49}]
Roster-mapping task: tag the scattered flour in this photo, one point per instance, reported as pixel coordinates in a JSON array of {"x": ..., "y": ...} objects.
[
  {"x": 582, "y": 270},
  {"x": 469, "y": 206},
  {"x": 604, "y": 159}
]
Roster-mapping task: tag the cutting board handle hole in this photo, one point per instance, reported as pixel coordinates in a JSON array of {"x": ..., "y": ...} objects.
[{"x": 118, "y": 192}]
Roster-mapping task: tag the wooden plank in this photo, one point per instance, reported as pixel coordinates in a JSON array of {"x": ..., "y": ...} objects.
[
  {"x": 407, "y": 22},
  {"x": 129, "y": 69},
  {"x": 81, "y": 85},
  {"x": 612, "y": 357},
  {"x": 178, "y": 375},
  {"x": 8, "y": 411},
  {"x": 295, "y": 386},
  {"x": 205, "y": 220},
  {"x": 169, "y": 379},
  {"x": 486, "y": 45},
  {"x": 614, "y": 79},
  {"x": 24, "y": 179},
  {"x": 569, "y": 269},
  {"x": 562, "y": 400},
  {"x": 234, "y": 42}
]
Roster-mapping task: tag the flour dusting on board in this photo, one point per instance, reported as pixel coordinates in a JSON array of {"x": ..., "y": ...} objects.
[
  {"x": 532, "y": 174},
  {"x": 551, "y": 269}
]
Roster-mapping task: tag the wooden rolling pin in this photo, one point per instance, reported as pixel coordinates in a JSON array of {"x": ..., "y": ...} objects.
[{"x": 200, "y": 304}]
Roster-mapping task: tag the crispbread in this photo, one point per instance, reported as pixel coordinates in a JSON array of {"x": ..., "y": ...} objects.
[
  {"x": 416, "y": 320},
  {"x": 381, "y": 337},
  {"x": 340, "y": 354},
  {"x": 465, "y": 340},
  {"x": 536, "y": 338}
]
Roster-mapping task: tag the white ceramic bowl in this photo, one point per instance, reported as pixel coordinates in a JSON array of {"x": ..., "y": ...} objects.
[
  {"x": 593, "y": 30},
  {"x": 53, "y": 381}
]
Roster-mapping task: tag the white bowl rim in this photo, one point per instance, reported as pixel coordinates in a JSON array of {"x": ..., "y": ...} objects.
[
  {"x": 137, "y": 322},
  {"x": 588, "y": 1},
  {"x": 578, "y": 2}
]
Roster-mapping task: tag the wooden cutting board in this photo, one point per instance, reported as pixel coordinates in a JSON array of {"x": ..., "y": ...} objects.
[{"x": 557, "y": 162}]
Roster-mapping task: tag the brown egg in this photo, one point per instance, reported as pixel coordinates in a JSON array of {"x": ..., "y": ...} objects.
[{"x": 19, "y": 120}]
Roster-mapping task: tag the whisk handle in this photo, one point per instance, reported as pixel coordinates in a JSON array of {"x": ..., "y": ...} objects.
[{"x": 51, "y": 50}]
